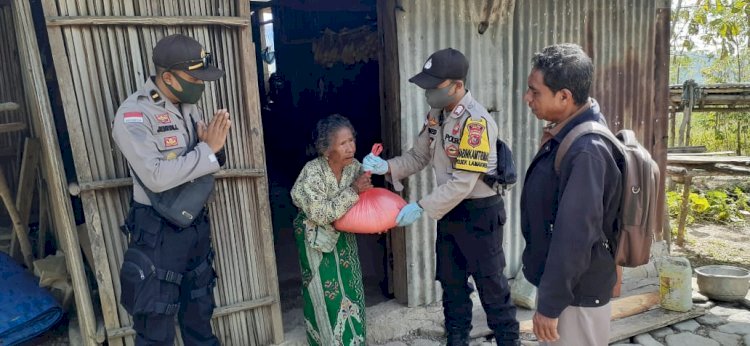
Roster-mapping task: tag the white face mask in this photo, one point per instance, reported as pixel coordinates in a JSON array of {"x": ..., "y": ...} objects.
[{"x": 440, "y": 97}]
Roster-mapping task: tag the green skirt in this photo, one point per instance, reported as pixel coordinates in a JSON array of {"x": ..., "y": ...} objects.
[{"x": 332, "y": 290}]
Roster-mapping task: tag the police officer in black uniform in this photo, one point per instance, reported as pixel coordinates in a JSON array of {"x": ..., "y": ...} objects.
[
  {"x": 459, "y": 140},
  {"x": 167, "y": 269}
]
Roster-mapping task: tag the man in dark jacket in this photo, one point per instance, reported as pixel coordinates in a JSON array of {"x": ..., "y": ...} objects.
[{"x": 568, "y": 220}]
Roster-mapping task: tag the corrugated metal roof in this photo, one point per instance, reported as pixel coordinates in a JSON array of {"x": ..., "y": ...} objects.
[{"x": 619, "y": 35}]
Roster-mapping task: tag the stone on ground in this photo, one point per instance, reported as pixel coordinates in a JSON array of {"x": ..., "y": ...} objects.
[
  {"x": 711, "y": 320},
  {"x": 725, "y": 339},
  {"x": 689, "y": 339},
  {"x": 699, "y": 298},
  {"x": 687, "y": 326},
  {"x": 647, "y": 340},
  {"x": 432, "y": 331},
  {"x": 424, "y": 342},
  {"x": 396, "y": 343},
  {"x": 735, "y": 328},
  {"x": 662, "y": 332},
  {"x": 743, "y": 317},
  {"x": 726, "y": 311}
]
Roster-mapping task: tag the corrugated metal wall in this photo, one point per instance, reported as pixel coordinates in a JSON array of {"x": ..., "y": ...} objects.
[{"x": 619, "y": 35}]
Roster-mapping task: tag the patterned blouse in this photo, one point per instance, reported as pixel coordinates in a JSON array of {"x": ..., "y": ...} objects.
[{"x": 324, "y": 200}]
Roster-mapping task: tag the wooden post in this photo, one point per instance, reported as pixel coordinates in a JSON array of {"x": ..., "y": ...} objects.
[
  {"x": 43, "y": 119},
  {"x": 249, "y": 85},
  {"x": 19, "y": 228},
  {"x": 672, "y": 127},
  {"x": 684, "y": 209},
  {"x": 390, "y": 129},
  {"x": 25, "y": 192}
]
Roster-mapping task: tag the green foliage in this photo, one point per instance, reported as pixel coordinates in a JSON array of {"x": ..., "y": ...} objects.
[
  {"x": 711, "y": 206},
  {"x": 719, "y": 131}
]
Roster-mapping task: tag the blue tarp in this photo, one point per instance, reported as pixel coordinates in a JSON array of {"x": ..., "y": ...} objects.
[{"x": 26, "y": 310}]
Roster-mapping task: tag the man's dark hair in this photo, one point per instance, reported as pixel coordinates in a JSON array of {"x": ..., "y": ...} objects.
[
  {"x": 325, "y": 129},
  {"x": 566, "y": 66},
  {"x": 160, "y": 70}
]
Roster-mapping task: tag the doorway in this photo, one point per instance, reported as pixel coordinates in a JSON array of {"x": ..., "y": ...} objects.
[{"x": 316, "y": 59}]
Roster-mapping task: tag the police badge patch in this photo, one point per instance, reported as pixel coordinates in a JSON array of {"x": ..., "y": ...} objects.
[
  {"x": 170, "y": 141},
  {"x": 475, "y": 134},
  {"x": 163, "y": 118}
]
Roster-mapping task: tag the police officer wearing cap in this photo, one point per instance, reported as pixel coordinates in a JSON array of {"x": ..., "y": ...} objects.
[
  {"x": 459, "y": 139},
  {"x": 167, "y": 269}
]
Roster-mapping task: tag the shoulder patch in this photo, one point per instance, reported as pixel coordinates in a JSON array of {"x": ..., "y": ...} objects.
[
  {"x": 155, "y": 96},
  {"x": 459, "y": 110},
  {"x": 474, "y": 147},
  {"x": 132, "y": 117}
]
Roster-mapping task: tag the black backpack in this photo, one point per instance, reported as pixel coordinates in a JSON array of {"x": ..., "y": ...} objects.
[{"x": 506, "y": 169}]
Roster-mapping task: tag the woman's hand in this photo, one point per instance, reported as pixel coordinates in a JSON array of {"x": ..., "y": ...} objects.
[{"x": 363, "y": 183}]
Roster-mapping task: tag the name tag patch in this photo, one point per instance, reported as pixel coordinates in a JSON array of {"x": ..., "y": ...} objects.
[
  {"x": 133, "y": 117},
  {"x": 166, "y": 128},
  {"x": 170, "y": 141}
]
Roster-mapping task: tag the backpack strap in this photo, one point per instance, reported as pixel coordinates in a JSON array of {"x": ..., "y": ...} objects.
[{"x": 578, "y": 131}]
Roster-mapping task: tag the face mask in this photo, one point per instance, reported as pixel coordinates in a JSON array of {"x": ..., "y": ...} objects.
[
  {"x": 439, "y": 98},
  {"x": 191, "y": 92}
]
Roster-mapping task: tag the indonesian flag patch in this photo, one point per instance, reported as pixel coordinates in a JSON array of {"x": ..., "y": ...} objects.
[{"x": 133, "y": 117}]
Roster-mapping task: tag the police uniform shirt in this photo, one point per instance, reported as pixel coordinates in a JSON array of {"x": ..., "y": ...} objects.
[
  {"x": 154, "y": 136},
  {"x": 461, "y": 149}
]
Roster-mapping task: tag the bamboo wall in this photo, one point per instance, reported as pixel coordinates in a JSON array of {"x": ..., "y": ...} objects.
[
  {"x": 10, "y": 79},
  {"x": 102, "y": 53}
]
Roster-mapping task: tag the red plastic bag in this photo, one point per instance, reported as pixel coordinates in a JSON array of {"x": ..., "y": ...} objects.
[{"x": 375, "y": 212}]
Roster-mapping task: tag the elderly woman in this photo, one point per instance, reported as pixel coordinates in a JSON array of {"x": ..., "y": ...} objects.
[{"x": 331, "y": 276}]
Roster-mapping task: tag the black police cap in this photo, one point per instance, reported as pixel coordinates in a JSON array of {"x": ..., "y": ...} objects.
[
  {"x": 183, "y": 53},
  {"x": 444, "y": 64}
]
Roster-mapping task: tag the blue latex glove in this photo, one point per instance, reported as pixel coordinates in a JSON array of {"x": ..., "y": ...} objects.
[
  {"x": 374, "y": 164},
  {"x": 409, "y": 214}
]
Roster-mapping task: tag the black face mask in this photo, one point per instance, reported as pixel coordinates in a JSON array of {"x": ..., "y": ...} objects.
[
  {"x": 191, "y": 92},
  {"x": 440, "y": 97}
]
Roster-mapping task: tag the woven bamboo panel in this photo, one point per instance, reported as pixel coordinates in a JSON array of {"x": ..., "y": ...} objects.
[{"x": 102, "y": 53}]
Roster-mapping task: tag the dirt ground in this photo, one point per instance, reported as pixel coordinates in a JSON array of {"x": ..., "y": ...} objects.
[{"x": 716, "y": 244}]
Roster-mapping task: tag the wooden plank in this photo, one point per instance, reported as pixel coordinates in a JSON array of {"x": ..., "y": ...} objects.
[
  {"x": 19, "y": 227},
  {"x": 698, "y": 160},
  {"x": 218, "y": 312},
  {"x": 58, "y": 21},
  {"x": 390, "y": 129},
  {"x": 251, "y": 99},
  {"x": 70, "y": 105},
  {"x": 714, "y": 153},
  {"x": 27, "y": 178},
  {"x": 648, "y": 321},
  {"x": 12, "y": 127},
  {"x": 684, "y": 210},
  {"x": 693, "y": 149},
  {"x": 621, "y": 308},
  {"x": 77, "y": 188},
  {"x": 8, "y": 106}
]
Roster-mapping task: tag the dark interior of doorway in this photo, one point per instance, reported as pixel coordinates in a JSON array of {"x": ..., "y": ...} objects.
[{"x": 320, "y": 58}]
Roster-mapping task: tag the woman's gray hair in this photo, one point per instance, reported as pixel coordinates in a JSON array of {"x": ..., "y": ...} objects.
[{"x": 325, "y": 129}]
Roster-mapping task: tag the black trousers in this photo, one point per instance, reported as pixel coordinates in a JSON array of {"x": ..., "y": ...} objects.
[
  {"x": 469, "y": 242},
  {"x": 168, "y": 271}
]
